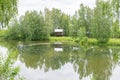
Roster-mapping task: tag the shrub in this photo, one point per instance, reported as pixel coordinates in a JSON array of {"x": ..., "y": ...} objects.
[
  {"x": 30, "y": 27},
  {"x": 2, "y": 33},
  {"x": 7, "y": 71}
]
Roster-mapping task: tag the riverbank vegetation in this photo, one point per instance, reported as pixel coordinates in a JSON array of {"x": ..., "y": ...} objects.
[
  {"x": 97, "y": 26},
  {"x": 100, "y": 23},
  {"x": 88, "y": 41},
  {"x": 7, "y": 70}
]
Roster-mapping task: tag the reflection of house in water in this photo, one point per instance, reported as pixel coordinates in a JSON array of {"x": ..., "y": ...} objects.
[
  {"x": 75, "y": 48},
  {"x": 58, "y": 47}
]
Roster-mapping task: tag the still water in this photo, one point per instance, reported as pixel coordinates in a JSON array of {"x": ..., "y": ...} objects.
[{"x": 60, "y": 61}]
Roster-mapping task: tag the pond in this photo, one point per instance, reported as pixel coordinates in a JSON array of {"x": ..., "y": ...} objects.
[{"x": 63, "y": 61}]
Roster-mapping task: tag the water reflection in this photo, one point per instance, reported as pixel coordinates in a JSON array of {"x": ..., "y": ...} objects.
[
  {"x": 68, "y": 62},
  {"x": 95, "y": 62},
  {"x": 58, "y": 46}
]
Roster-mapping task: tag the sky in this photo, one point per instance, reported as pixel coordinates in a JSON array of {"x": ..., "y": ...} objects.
[{"x": 66, "y": 6}]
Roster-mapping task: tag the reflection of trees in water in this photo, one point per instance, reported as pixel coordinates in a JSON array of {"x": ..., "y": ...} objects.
[
  {"x": 43, "y": 56},
  {"x": 116, "y": 55},
  {"x": 97, "y": 62}
]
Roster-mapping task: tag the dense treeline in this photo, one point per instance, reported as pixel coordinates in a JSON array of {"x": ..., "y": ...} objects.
[{"x": 101, "y": 23}]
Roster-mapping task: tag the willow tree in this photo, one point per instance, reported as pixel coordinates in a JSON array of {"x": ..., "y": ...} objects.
[
  {"x": 85, "y": 18},
  {"x": 102, "y": 21},
  {"x": 8, "y": 9},
  {"x": 115, "y": 6},
  {"x": 116, "y": 10}
]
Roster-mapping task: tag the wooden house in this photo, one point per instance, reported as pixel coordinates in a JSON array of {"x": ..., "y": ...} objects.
[{"x": 58, "y": 32}]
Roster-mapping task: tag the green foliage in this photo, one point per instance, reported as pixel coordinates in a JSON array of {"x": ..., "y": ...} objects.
[
  {"x": 101, "y": 23},
  {"x": 7, "y": 71},
  {"x": 84, "y": 41},
  {"x": 110, "y": 42},
  {"x": 101, "y": 27},
  {"x": 65, "y": 24},
  {"x": 82, "y": 19},
  {"x": 48, "y": 20},
  {"x": 2, "y": 33},
  {"x": 114, "y": 42},
  {"x": 115, "y": 32},
  {"x": 56, "y": 15},
  {"x": 82, "y": 33},
  {"x": 61, "y": 39},
  {"x": 85, "y": 16},
  {"x": 74, "y": 27},
  {"x": 55, "y": 19},
  {"x": 115, "y": 5},
  {"x": 8, "y": 9},
  {"x": 33, "y": 26},
  {"x": 92, "y": 41},
  {"x": 30, "y": 27},
  {"x": 13, "y": 31},
  {"x": 115, "y": 10}
]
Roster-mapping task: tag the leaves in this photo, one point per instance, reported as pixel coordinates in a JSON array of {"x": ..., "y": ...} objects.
[
  {"x": 101, "y": 29},
  {"x": 8, "y": 9},
  {"x": 7, "y": 71}
]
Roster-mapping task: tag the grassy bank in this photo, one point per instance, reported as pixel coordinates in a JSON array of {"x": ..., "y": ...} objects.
[
  {"x": 112, "y": 41},
  {"x": 2, "y": 33},
  {"x": 91, "y": 41},
  {"x": 61, "y": 39}
]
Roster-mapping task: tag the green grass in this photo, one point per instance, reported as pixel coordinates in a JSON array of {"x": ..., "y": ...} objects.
[
  {"x": 61, "y": 39},
  {"x": 114, "y": 42},
  {"x": 91, "y": 41},
  {"x": 2, "y": 33}
]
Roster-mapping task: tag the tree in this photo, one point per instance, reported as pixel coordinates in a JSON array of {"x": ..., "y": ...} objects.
[
  {"x": 59, "y": 20},
  {"x": 102, "y": 21},
  {"x": 115, "y": 8},
  {"x": 56, "y": 15},
  {"x": 85, "y": 15},
  {"x": 8, "y": 9},
  {"x": 30, "y": 27},
  {"x": 89, "y": 24},
  {"x": 64, "y": 23},
  {"x": 116, "y": 11},
  {"x": 33, "y": 26},
  {"x": 48, "y": 20},
  {"x": 74, "y": 26}
]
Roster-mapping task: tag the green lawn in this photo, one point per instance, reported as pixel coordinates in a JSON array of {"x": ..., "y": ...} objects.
[
  {"x": 2, "y": 33},
  {"x": 91, "y": 41},
  {"x": 114, "y": 42},
  {"x": 61, "y": 39}
]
